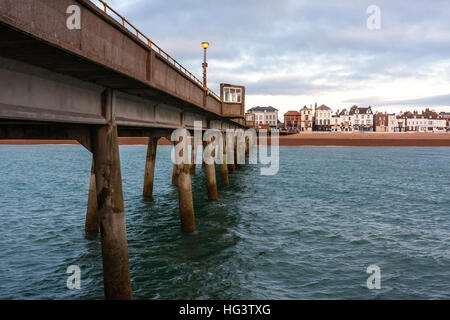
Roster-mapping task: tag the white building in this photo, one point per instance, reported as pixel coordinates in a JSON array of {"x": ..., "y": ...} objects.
[
  {"x": 265, "y": 116},
  {"x": 362, "y": 118},
  {"x": 422, "y": 124},
  {"x": 306, "y": 119},
  {"x": 322, "y": 118},
  {"x": 341, "y": 122}
]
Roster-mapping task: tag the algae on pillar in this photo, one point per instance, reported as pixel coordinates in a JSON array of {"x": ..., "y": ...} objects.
[
  {"x": 211, "y": 175},
  {"x": 193, "y": 155},
  {"x": 92, "y": 221},
  {"x": 203, "y": 155},
  {"x": 186, "y": 203},
  {"x": 223, "y": 165},
  {"x": 174, "y": 175}
]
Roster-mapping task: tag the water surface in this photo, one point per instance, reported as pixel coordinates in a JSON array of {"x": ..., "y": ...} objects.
[{"x": 308, "y": 232}]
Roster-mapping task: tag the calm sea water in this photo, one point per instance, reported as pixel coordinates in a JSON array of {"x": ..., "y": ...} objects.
[{"x": 309, "y": 232}]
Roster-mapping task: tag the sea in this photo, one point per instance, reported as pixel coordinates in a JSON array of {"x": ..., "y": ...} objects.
[{"x": 315, "y": 230}]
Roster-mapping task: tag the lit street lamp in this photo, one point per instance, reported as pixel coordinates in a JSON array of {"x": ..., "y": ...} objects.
[{"x": 205, "y": 46}]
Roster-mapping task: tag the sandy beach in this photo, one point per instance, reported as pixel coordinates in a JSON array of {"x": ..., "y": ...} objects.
[{"x": 371, "y": 139}]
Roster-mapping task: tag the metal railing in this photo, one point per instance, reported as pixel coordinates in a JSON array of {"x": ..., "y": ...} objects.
[{"x": 158, "y": 50}]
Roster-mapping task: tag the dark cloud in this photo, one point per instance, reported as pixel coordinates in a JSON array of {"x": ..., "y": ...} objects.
[
  {"x": 258, "y": 42},
  {"x": 433, "y": 101}
]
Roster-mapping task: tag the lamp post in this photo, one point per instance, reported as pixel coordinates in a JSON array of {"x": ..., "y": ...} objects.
[{"x": 205, "y": 46}]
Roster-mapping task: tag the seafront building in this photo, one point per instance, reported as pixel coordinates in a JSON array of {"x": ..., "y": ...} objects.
[
  {"x": 422, "y": 124},
  {"x": 341, "y": 122},
  {"x": 322, "y": 118},
  {"x": 306, "y": 119},
  {"x": 401, "y": 123},
  {"x": 265, "y": 116},
  {"x": 292, "y": 121},
  {"x": 362, "y": 119},
  {"x": 385, "y": 122}
]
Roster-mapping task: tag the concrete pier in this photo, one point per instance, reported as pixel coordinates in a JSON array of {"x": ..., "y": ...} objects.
[
  {"x": 223, "y": 165},
  {"x": 211, "y": 182},
  {"x": 61, "y": 85},
  {"x": 108, "y": 178},
  {"x": 92, "y": 221},
  {"x": 150, "y": 167}
]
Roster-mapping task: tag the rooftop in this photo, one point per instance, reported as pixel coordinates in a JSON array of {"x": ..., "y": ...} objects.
[
  {"x": 262, "y": 109},
  {"x": 292, "y": 113},
  {"x": 324, "y": 108}
]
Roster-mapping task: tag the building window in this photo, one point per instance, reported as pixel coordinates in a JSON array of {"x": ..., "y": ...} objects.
[{"x": 232, "y": 95}]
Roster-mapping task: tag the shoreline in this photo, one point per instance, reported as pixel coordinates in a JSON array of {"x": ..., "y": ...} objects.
[
  {"x": 367, "y": 139},
  {"x": 370, "y": 139}
]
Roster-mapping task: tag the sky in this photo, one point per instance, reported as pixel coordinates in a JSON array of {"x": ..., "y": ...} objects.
[{"x": 291, "y": 53}]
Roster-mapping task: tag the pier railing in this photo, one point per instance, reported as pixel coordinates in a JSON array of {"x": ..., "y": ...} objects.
[{"x": 142, "y": 37}]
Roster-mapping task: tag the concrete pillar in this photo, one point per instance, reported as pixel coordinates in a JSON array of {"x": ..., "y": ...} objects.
[
  {"x": 247, "y": 146},
  {"x": 238, "y": 166},
  {"x": 116, "y": 271},
  {"x": 211, "y": 178},
  {"x": 224, "y": 166},
  {"x": 185, "y": 200},
  {"x": 193, "y": 155},
  {"x": 150, "y": 167},
  {"x": 232, "y": 166},
  {"x": 92, "y": 222},
  {"x": 203, "y": 161}
]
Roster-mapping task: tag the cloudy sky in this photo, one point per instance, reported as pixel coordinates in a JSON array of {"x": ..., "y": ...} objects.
[{"x": 289, "y": 53}]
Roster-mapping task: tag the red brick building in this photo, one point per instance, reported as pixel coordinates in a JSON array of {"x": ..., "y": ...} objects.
[{"x": 292, "y": 121}]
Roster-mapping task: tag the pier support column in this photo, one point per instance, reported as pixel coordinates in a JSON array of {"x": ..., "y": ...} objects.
[
  {"x": 116, "y": 271},
  {"x": 150, "y": 167},
  {"x": 92, "y": 221},
  {"x": 174, "y": 173},
  {"x": 211, "y": 177},
  {"x": 247, "y": 147},
  {"x": 193, "y": 155},
  {"x": 223, "y": 165},
  {"x": 238, "y": 166},
  {"x": 232, "y": 166},
  {"x": 186, "y": 203},
  {"x": 203, "y": 161}
]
